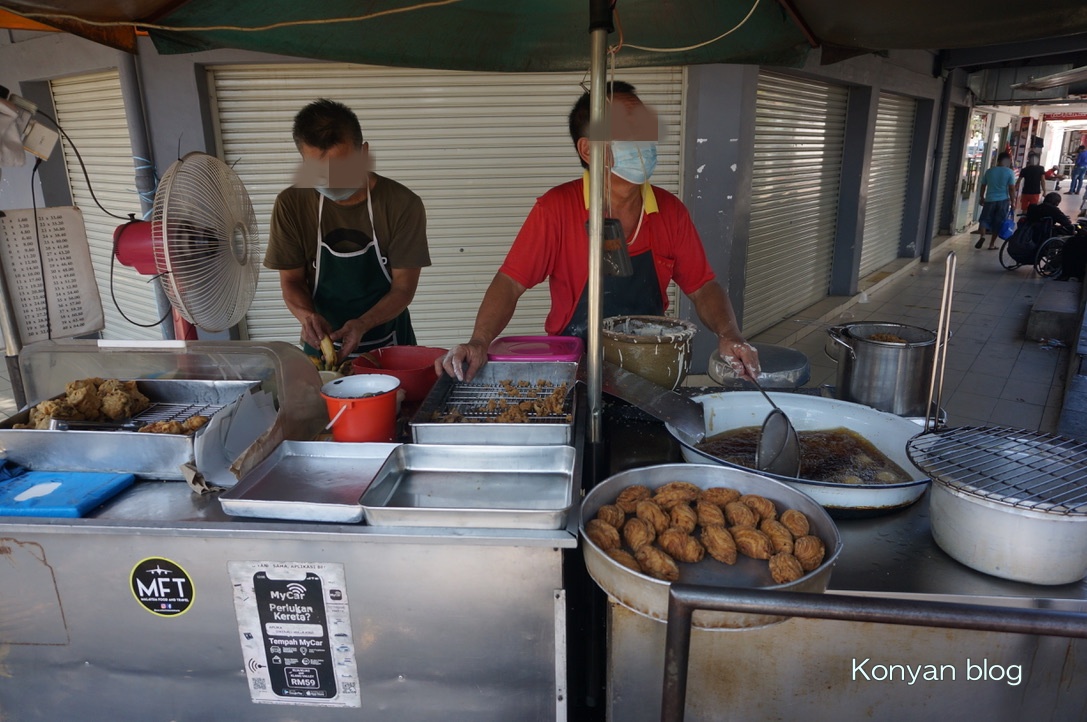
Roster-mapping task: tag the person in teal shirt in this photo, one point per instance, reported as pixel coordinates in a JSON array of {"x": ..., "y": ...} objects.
[{"x": 997, "y": 189}]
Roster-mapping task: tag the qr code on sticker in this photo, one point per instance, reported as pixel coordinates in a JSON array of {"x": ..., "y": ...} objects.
[
  {"x": 259, "y": 684},
  {"x": 350, "y": 688}
]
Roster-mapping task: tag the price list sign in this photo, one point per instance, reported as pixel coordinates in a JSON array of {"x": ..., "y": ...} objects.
[{"x": 67, "y": 304}]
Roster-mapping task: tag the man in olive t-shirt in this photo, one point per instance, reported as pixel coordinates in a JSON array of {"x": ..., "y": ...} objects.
[{"x": 349, "y": 244}]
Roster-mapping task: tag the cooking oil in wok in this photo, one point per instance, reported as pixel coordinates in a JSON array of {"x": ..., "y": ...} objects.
[{"x": 837, "y": 455}]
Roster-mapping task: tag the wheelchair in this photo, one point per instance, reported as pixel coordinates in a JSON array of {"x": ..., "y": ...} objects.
[{"x": 1049, "y": 258}]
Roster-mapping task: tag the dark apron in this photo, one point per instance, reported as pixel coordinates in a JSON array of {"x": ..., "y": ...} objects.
[
  {"x": 636, "y": 295},
  {"x": 347, "y": 285}
]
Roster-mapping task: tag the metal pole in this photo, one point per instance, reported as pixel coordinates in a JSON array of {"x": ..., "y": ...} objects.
[
  {"x": 599, "y": 27},
  {"x": 144, "y": 166},
  {"x": 935, "y": 204},
  {"x": 683, "y": 599}
]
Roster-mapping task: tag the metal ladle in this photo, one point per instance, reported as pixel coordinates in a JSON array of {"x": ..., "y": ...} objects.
[{"x": 778, "y": 451}]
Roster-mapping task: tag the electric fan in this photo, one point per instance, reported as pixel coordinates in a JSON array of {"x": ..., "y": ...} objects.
[{"x": 203, "y": 241}]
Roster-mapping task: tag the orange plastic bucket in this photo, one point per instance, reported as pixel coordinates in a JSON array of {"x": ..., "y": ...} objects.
[{"x": 362, "y": 408}]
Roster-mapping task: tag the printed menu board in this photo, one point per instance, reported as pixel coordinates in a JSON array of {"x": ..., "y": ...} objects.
[{"x": 62, "y": 301}]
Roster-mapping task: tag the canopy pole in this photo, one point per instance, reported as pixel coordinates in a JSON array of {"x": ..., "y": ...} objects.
[{"x": 600, "y": 24}]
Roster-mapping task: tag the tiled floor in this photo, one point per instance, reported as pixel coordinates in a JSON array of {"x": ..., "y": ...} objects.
[{"x": 994, "y": 375}]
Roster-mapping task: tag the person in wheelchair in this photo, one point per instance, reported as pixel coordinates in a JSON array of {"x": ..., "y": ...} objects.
[{"x": 1050, "y": 208}]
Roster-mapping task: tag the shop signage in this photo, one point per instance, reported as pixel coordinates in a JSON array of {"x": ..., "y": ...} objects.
[{"x": 1064, "y": 116}]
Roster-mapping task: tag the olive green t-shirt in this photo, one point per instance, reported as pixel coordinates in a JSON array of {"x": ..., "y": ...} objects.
[{"x": 398, "y": 214}]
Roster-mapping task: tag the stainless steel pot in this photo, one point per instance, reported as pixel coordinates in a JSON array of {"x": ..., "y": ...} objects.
[
  {"x": 1008, "y": 502},
  {"x": 649, "y": 596},
  {"x": 888, "y": 433},
  {"x": 1008, "y": 542},
  {"x": 890, "y": 376}
]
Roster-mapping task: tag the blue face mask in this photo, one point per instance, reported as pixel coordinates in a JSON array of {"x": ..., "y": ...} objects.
[
  {"x": 634, "y": 160},
  {"x": 336, "y": 194}
]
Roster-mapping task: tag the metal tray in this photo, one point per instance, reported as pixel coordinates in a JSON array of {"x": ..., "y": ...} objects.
[
  {"x": 154, "y": 456},
  {"x": 503, "y": 487},
  {"x": 308, "y": 481},
  {"x": 470, "y": 399}
]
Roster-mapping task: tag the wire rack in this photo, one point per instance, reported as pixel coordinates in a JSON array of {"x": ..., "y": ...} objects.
[
  {"x": 486, "y": 402},
  {"x": 162, "y": 411},
  {"x": 1024, "y": 469}
]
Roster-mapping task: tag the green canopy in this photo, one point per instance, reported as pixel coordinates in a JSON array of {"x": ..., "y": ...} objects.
[{"x": 502, "y": 35}]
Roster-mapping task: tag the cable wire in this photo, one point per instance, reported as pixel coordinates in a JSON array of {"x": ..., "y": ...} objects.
[
  {"x": 235, "y": 28},
  {"x": 38, "y": 245},
  {"x": 82, "y": 165},
  {"x": 689, "y": 47}
]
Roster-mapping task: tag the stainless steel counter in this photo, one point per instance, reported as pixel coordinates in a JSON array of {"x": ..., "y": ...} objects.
[{"x": 829, "y": 670}]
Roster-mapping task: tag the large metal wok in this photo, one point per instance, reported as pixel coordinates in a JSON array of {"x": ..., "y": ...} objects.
[{"x": 888, "y": 433}]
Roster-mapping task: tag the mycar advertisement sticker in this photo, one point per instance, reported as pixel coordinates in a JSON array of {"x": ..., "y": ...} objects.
[
  {"x": 162, "y": 586},
  {"x": 295, "y": 629}
]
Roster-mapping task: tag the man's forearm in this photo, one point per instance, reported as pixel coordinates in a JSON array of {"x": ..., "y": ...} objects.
[
  {"x": 388, "y": 307},
  {"x": 299, "y": 300},
  {"x": 714, "y": 308},
  {"x": 496, "y": 310}
]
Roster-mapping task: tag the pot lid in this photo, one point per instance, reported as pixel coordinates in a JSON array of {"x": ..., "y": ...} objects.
[
  {"x": 780, "y": 368},
  {"x": 1022, "y": 469}
]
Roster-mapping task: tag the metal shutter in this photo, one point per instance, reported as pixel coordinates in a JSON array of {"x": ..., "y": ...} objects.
[
  {"x": 91, "y": 110},
  {"x": 887, "y": 178},
  {"x": 477, "y": 147},
  {"x": 943, "y": 205},
  {"x": 799, "y": 136}
]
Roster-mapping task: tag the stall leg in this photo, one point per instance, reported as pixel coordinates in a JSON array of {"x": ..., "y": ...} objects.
[{"x": 16, "y": 377}]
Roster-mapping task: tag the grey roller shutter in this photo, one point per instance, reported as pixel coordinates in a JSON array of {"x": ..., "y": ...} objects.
[
  {"x": 477, "y": 147},
  {"x": 887, "y": 178},
  {"x": 943, "y": 203},
  {"x": 91, "y": 110},
  {"x": 799, "y": 136}
]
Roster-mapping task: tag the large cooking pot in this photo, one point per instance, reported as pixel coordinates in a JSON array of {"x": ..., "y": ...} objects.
[
  {"x": 730, "y": 410},
  {"x": 1008, "y": 502},
  {"x": 887, "y": 366},
  {"x": 648, "y": 596},
  {"x": 657, "y": 348}
]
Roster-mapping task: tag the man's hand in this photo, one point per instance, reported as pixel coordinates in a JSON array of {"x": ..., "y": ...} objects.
[
  {"x": 740, "y": 355},
  {"x": 314, "y": 328},
  {"x": 349, "y": 335},
  {"x": 463, "y": 361}
]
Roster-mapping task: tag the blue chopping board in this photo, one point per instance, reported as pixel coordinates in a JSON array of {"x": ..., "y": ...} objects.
[{"x": 59, "y": 493}]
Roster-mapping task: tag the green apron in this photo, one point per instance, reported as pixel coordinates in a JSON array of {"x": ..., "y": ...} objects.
[{"x": 347, "y": 285}]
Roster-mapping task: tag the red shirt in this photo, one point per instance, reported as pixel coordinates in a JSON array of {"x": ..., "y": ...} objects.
[{"x": 554, "y": 245}]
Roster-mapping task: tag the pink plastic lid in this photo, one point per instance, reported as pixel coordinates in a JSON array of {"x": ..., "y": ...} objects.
[{"x": 536, "y": 348}]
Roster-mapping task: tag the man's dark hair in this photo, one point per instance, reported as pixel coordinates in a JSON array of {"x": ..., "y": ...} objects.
[
  {"x": 1002, "y": 157},
  {"x": 1053, "y": 199},
  {"x": 579, "y": 114},
  {"x": 325, "y": 123}
]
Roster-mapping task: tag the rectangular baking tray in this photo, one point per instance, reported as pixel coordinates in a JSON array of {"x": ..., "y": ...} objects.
[
  {"x": 468, "y": 398},
  {"x": 464, "y": 486},
  {"x": 308, "y": 481},
  {"x": 153, "y": 456}
]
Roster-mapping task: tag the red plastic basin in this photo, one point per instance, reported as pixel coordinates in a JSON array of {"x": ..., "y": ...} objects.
[{"x": 413, "y": 365}]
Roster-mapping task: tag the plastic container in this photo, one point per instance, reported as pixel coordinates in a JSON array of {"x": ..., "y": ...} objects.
[
  {"x": 362, "y": 408},
  {"x": 413, "y": 365},
  {"x": 536, "y": 348}
]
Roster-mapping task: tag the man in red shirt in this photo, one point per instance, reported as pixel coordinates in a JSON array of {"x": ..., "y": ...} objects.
[{"x": 552, "y": 245}]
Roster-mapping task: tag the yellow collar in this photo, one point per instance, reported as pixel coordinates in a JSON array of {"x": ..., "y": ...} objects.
[{"x": 649, "y": 201}]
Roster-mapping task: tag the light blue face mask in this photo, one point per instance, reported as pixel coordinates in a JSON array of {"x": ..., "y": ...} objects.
[
  {"x": 634, "y": 160},
  {"x": 336, "y": 194}
]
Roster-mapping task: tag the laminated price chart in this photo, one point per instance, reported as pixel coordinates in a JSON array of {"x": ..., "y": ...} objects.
[{"x": 67, "y": 304}]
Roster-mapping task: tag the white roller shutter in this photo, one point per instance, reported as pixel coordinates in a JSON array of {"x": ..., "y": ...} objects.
[
  {"x": 91, "y": 110},
  {"x": 477, "y": 147},
  {"x": 887, "y": 179},
  {"x": 799, "y": 136},
  {"x": 943, "y": 205}
]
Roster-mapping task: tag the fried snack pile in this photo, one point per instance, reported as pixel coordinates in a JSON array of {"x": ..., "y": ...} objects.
[
  {"x": 97, "y": 399},
  {"x": 649, "y": 531},
  {"x": 92, "y": 399},
  {"x": 521, "y": 402}
]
